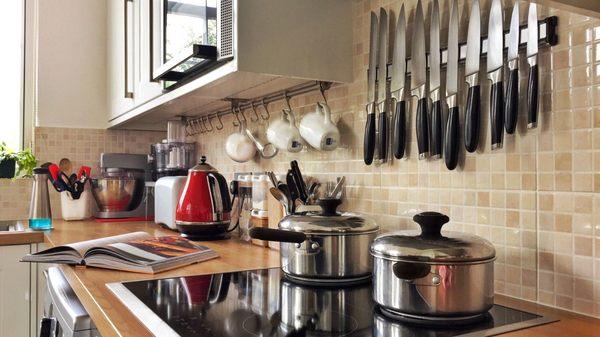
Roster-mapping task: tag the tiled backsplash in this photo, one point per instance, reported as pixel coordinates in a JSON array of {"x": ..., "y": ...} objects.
[{"x": 537, "y": 199}]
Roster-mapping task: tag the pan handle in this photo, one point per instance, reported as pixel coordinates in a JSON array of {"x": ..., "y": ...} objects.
[
  {"x": 270, "y": 234},
  {"x": 410, "y": 271}
]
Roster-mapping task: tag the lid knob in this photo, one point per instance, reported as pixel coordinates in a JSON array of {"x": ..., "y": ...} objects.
[
  {"x": 329, "y": 206},
  {"x": 203, "y": 160},
  {"x": 431, "y": 224}
]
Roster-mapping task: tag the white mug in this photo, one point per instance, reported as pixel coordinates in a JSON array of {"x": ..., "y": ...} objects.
[
  {"x": 318, "y": 130},
  {"x": 239, "y": 147},
  {"x": 284, "y": 134}
]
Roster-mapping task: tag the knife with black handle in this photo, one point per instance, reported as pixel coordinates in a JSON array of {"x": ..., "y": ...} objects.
[
  {"x": 472, "y": 114},
  {"x": 400, "y": 129},
  {"x": 511, "y": 108},
  {"x": 369, "y": 137},
  {"x": 397, "y": 86},
  {"x": 497, "y": 112},
  {"x": 383, "y": 133},
  {"x": 532, "y": 52},
  {"x": 451, "y": 139},
  {"x": 435, "y": 150},
  {"x": 382, "y": 92},
  {"x": 495, "y": 58},
  {"x": 473, "y": 107},
  {"x": 418, "y": 81}
]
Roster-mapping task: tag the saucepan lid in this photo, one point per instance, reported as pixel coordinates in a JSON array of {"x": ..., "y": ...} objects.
[
  {"x": 431, "y": 245},
  {"x": 329, "y": 221}
]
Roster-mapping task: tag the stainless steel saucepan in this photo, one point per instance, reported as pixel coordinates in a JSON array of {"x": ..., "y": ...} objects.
[
  {"x": 433, "y": 274},
  {"x": 324, "y": 247}
]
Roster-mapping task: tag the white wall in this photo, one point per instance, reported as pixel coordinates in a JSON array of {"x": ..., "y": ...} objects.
[{"x": 71, "y": 63}]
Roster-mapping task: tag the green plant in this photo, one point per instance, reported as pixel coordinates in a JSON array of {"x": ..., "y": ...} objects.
[
  {"x": 26, "y": 162},
  {"x": 6, "y": 153}
]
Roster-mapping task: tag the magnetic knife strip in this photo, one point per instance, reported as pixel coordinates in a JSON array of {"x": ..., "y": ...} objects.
[{"x": 547, "y": 37}]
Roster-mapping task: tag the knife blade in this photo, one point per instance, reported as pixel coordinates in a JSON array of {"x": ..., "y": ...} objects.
[
  {"x": 452, "y": 124},
  {"x": 511, "y": 108},
  {"x": 418, "y": 80},
  {"x": 397, "y": 86},
  {"x": 369, "y": 137},
  {"x": 532, "y": 52},
  {"x": 473, "y": 108},
  {"x": 495, "y": 58},
  {"x": 434, "y": 83},
  {"x": 382, "y": 94}
]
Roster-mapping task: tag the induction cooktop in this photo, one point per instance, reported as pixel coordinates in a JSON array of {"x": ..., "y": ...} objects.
[{"x": 265, "y": 303}]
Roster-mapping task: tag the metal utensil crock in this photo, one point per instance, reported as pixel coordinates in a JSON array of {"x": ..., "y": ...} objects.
[{"x": 433, "y": 274}]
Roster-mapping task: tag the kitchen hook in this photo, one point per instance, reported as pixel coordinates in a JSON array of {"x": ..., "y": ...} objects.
[
  {"x": 237, "y": 118},
  {"x": 189, "y": 130},
  {"x": 268, "y": 115},
  {"x": 220, "y": 122},
  {"x": 322, "y": 89},
  {"x": 204, "y": 119},
  {"x": 287, "y": 100},
  {"x": 200, "y": 126},
  {"x": 254, "y": 118}
]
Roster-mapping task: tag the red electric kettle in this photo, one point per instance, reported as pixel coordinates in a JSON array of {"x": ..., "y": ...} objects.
[{"x": 204, "y": 208}]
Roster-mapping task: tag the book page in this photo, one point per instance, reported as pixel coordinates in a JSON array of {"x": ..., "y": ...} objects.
[{"x": 83, "y": 246}]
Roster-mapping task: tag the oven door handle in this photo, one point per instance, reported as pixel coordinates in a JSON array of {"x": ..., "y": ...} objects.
[
  {"x": 67, "y": 308},
  {"x": 48, "y": 326}
]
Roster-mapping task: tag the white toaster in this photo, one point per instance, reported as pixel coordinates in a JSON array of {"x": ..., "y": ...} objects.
[{"x": 166, "y": 196}]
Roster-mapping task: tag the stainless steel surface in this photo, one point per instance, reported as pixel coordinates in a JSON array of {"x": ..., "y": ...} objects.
[
  {"x": 452, "y": 67},
  {"x": 447, "y": 290},
  {"x": 339, "y": 186},
  {"x": 434, "y": 51},
  {"x": 495, "y": 54},
  {"x": 315, "y": 223},
  {"x": 418, "y": 59},
  {"x": 39, "y": 205},
  {"x": 532, "y": 30},
  {"x": 473, "y": 40},
  {"x": 116, "y": 194},
  {"x": 329, "y": 256},
  {"x": 373, "y": 58},
  {"x": 399, "y": 58},
  {"x": 382, "y": 57},
  {"x": 266, "y": 150},
  {"x": 513, "y": 34}
]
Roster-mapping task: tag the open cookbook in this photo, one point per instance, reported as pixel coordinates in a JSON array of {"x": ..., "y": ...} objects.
[{"x": 137, "y": 252}]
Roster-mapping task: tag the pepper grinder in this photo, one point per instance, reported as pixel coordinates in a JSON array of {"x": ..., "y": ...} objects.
[{"x": 40, "y": 214}]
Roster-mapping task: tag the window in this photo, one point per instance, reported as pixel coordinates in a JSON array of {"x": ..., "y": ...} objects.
[{"x": 12, "y": 67}]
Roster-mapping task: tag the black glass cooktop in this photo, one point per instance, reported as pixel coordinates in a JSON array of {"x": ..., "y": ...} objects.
[{"x": 263, "y": 303}]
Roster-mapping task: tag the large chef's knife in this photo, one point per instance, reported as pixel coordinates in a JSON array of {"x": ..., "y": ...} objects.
[
  {"x": 511, "y": 109},
  {"x": 369, "y": 140},
  {"x": 434, "y": 83},
  {"x": 532, "y": 51},
  {"x": 382, "y": 93},
  {"x": 452, "y": 123},
  {"x": 472, "y": 112},
  {"x": 495, "y": 64},
  {"x": 397, "y": 85},
  {"x": 418, "y": 80}
]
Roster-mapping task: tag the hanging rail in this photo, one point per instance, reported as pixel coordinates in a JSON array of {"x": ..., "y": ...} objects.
[{"x": 197, "y": 125}]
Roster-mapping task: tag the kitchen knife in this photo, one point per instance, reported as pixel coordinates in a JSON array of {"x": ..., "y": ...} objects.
[
  {"x": 369, "y": 139},
  {"x": 299, "y": 181},
  {"x": 434, "y": 83},
  {"x": 495, "y": 62},
  {"x": 511, "y": 108},
  {"x": 451, "y": 140},
  {"x": 397, "y": 86},
  {"x": 382, "y": 96},
  {"x": 418, "y": 81},
  {"x": 472, "y": 112},
  {"x": 532, "y": 51}
]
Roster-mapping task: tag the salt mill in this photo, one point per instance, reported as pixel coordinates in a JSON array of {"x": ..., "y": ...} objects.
[{"x": 40, "y": 214}]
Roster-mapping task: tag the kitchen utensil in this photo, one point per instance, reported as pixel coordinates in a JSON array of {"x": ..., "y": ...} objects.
[
  {"x": 418, "y": 81},
  {"x": 397, "y": 86},
  {"x": 84, "y": 172},
  {"x": 337, "y": 190},
  {"x": 284, "y": 134},
  {"x": 435, "y": 134},
  {"x": 299, "y": 181},
  {"x": 167, "y": 192},
  {"x": 267, "y": 150},
  {"x": 281, "y": 197},
  {"x": 382, "y": 93},
  {"x": 452, "y": 135},
  {"x": 273, "y": 178},
  {"x": 495, "y": 64},
  {"x": 204, "y": 207},
  {"x": 429, "y": 273},
  {"x": 291, "y": 184},
  {"x": 65, "y": 166},
  {"x": 316, "y": 247},
  {"x": 511, "y": 108},
  {"x": 318, "y": 130},
  {"x": 115, "y": 194},
  {"x": 473, "y": 108},
  {"x": 54, "y": 174},
  {"x": 40, "y": 212},
  {"x": 369, "y": 138},
  {"x": 532, "y": 51},
  {"x": 239, "y": 147},
  {"x": 243, "y": 213},
  {"x": 286, "y": 191}
]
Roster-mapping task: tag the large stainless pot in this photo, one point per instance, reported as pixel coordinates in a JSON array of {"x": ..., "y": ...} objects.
[
  {"x": 433, "y": 274},
  {"x": 327, "y": 246}
]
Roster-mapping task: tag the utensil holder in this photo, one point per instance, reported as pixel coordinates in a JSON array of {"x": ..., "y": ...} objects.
[{"x": 75, "y": 209}]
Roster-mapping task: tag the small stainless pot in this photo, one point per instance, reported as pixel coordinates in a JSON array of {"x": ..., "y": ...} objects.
[
  {"x": 430, "y": 274},
  {"x": 325, "y": 246}
]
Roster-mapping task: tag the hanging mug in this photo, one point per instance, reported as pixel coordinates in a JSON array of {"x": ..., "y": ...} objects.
[
  {"x": 239, "y": 147},
  {"x": 284, "y": 134},
  {"x": 318, "y": 130}
]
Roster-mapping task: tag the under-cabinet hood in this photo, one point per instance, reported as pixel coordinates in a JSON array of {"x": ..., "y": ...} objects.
[{"x": 276, "y": 44}]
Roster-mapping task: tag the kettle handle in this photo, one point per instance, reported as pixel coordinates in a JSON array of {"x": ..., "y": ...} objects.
[{"x": 219, "y": 193}]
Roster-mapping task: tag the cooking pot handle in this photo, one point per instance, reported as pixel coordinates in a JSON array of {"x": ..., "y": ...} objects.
[
  {"x": 410, "y": 270},
  {"x": 270, "y": 234},
  {"x": 431, "y": 224}
]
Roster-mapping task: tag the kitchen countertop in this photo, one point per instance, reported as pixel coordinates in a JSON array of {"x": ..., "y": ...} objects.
[
  {"x": 113, "y": 319},
  {"x": 17, "y": 233}
]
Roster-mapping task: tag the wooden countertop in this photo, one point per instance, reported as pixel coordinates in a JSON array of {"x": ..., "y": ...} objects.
[
  {"x": 113, "y": 319},
  {"x": 19, "y": 234}
]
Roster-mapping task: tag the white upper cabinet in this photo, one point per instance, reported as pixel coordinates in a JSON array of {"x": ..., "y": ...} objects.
[{"x": 236, "y": 49}]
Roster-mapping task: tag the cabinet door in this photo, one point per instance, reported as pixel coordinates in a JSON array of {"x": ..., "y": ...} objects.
[
  {"x": 14, "y": 291},
  {"x": 120, "y": 56},
  {"x": 146, "y": 89}
]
